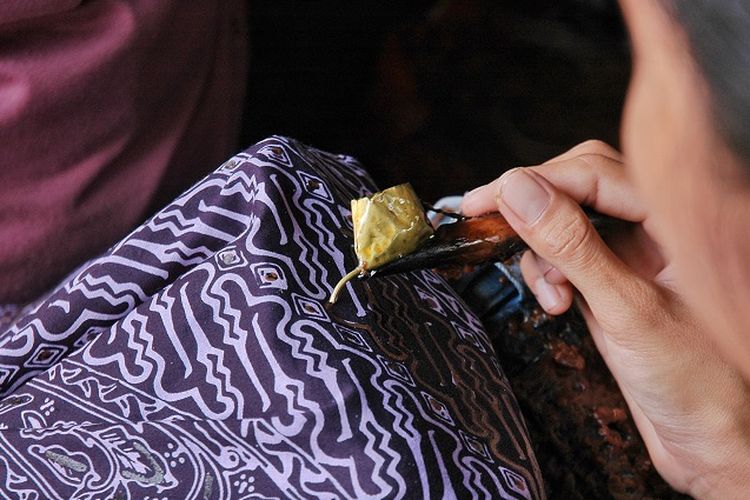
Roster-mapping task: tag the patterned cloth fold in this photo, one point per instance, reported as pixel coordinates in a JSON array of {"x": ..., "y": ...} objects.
[{"x": 197, "y": 359}]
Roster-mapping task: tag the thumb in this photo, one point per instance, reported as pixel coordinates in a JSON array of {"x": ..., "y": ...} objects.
[{"x": 556, "y": 228}]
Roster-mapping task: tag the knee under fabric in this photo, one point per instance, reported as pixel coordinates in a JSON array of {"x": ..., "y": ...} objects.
[{"x": 197, "y": 358}]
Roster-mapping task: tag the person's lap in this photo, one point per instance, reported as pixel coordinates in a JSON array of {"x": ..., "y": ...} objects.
[{"x": 196, "y": 358}]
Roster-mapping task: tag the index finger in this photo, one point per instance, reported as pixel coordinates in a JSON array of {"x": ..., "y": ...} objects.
[
  {"x": 592, "y": 146},
  {"x": 596, "y": 181}
]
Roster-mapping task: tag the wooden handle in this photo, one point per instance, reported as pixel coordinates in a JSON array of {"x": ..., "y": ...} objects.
[{"x": 478, "y": 240}]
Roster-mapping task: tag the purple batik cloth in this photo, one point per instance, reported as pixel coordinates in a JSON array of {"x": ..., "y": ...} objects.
[{"x": 197, "y": 359}]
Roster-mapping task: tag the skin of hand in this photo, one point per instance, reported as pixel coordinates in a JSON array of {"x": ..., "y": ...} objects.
[
  {"x": 667, "y": 305},
  {"x": 688, "y": 403}
]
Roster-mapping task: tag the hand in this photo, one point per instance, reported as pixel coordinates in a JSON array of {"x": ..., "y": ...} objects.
[{"x": 691, "y": 408}]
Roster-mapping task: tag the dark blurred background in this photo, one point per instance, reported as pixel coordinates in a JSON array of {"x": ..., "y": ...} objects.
[{"x": 445, "y": 94}]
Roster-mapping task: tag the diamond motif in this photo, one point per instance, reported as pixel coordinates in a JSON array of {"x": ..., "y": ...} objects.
[
  {"x": 515, "y": 482},
  {"x": 269, "y": 276},
  {"x": 315, "y": 186},
  {"x": 230, "y": 258},
  {"x": 475, "y": 445},
  {"x": 430, "y": 301},
  {"x": 353, "y": 337},
  {"x": 276, "y": 153},
  {"x": 230, "y": 165},
  {"x": 310, "y": 308},
  {"x": 438, "y": 408},
  {"x": 396, "y": 370},
  {"x": 45, "y": 356},
  {"x": 470, "y": 337}
]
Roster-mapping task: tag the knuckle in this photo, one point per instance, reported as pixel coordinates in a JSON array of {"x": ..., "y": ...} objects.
[
  {"x": 593, "y": 160},
  {"x": 596, "y": 146},
  {"x": 567, "y": 237},
  {"x": 601, "y": 165}
]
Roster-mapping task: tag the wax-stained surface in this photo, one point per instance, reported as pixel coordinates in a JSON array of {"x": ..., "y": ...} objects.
[{"x": 196, "y": 359}]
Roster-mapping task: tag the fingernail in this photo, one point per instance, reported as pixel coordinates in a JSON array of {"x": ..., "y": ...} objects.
[
  {"x": 523, "y": 195},
  {"x": 546, "y": 294}
]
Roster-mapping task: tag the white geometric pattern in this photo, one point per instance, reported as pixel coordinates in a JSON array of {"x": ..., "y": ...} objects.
[{"x": 197, "y": 359}]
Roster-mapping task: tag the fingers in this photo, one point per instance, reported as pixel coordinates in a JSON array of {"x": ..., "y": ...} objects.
[
  {"x": 551, "y": 273},
  {"x": 555, "y": 298},
  {"x": 543, "y": 205},
  {"x": 591, "y": 173},
  {"x": 592, "y": 147},
  {"x": 555, "y": 227},
  {"x": 481, "y": 200},
  {"x": 598, "y": 182}
]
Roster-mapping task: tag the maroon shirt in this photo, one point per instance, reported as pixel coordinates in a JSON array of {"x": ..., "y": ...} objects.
[{"x": 107, "y": 109}]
